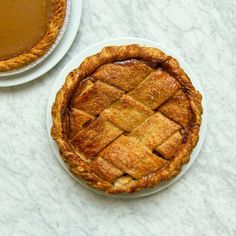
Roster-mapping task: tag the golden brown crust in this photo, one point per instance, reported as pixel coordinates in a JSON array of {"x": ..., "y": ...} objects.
[
  {"x": 44, "y": 44},
  {"x": 160, "y": 169}
]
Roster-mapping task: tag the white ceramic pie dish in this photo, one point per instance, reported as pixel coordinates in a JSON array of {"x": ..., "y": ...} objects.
[{"x": 74, "y": 63}]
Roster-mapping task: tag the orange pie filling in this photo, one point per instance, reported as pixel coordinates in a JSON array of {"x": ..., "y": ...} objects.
[{"x": 23, "y": 24}]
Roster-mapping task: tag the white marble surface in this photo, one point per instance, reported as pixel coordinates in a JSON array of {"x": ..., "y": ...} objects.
[{"x": 37, "y": 197}]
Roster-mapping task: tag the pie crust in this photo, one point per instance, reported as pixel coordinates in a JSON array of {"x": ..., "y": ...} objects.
[
  {"x": 126, "y": 119},
  {"x": 44, "y": 44}
]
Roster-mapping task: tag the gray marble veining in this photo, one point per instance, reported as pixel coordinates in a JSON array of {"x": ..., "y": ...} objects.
[{"x": 37, "y": 197}]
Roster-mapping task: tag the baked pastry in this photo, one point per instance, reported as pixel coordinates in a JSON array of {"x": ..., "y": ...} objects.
[
  {"x": 126, "y": 119},
  {"x": 28, "y": 29}
]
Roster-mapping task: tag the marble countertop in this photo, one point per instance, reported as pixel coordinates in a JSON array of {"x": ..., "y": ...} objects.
[{"x": 37, "y": 197}]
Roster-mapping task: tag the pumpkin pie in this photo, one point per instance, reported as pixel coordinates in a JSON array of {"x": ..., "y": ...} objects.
[{"x": 27, "y": 30}]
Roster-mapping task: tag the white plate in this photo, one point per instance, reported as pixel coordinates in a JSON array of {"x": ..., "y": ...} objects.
[
  {"x": 55, "y": 56},
  {"x": 74, "y": 63}
]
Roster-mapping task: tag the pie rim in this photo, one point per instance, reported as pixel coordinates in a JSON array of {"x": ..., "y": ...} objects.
[
  {"x": 43, "y": 45},
  {"x": 88, "y": 66}
]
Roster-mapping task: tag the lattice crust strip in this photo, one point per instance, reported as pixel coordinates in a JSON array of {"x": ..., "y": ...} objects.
[
  {"x": 132, "y": 157},
  {"x": 124, "y": 76},
  {"x": 96, "y": 98},
  {"x": 106, "y": 170},
  {"x": 171, "y": 145},
  {"x": 78, "y": 121},
  {"x": 177, "y": 108},
  {"x": 155, "y": 130},
  {"x": 121, "y": 158},
  {"x": 91, "y": 140},
  {"x": 126, "y": 113},
  {"x": 155, "y": 89}
]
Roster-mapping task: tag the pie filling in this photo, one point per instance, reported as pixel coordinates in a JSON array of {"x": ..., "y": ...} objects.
[
  {"x": 23, "y": 23},
  {"x": 128, "y": 120}
]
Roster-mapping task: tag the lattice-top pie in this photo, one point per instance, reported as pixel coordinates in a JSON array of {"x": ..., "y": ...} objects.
[
  {"x": 28, "y": 29},
  {"x": 127, "y": 118}
]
